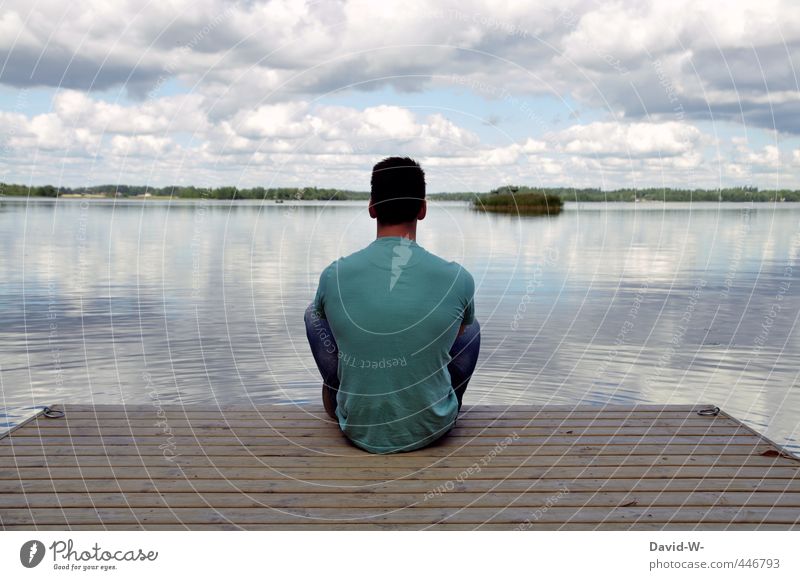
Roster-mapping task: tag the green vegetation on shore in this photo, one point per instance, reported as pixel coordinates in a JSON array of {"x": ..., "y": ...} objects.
[
  {"x": 510, "y": 199},
  {"x": 741, "y": 194}
]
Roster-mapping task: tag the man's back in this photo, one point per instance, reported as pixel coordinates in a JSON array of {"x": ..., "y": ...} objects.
[{"x": 395, "y": 310}]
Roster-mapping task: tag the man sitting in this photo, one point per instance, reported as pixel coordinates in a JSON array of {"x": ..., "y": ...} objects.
[{"x": 392, "y": 327}]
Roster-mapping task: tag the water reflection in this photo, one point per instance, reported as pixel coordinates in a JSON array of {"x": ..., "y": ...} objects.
[{"x": 202, "y": 302}]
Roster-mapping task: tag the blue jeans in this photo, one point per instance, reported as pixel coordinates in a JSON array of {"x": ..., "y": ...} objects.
[{"x": 464, "y": 354}]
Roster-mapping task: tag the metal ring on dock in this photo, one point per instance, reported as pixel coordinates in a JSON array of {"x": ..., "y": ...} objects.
[
  {"x": 709, "y": 412},
  {"x": 52, "y": 413}
]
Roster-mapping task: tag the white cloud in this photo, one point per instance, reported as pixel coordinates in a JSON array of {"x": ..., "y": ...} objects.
[
  {"x": 298, "y": 127},
  {"x": 178, "y": 113},
  {"x": 534, "y": 146},
  {"x": 281, "y": 121},
  {"x": 139, "y": 146},
  {"x": 386, "y": 122},
  {"x": 748, "y": 164},
  {"x": 629, "y": 139},
  {"x": 768, "y": 157}
]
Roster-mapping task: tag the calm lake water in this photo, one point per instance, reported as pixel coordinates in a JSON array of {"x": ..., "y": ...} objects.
[{"x": 202, "y": 302}]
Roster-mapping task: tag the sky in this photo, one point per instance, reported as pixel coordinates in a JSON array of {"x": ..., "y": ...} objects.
[{"x": 632, "y": 94}]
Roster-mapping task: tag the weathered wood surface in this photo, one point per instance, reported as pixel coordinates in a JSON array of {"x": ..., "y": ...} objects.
[{"x": 284, "y": 467}]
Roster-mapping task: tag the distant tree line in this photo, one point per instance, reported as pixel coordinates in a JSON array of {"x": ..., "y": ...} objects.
[
  {"x": 741, "y": 194},
  {"x": 185, "y": 192}
]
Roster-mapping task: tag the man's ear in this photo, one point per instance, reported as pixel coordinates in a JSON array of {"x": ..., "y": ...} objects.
[
  {"x": 423, "y": 210},
  {"x": 372, "y": 212}
]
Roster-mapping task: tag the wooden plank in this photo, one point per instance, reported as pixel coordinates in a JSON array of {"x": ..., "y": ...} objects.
[
  {"x": 307, "y": 408},
  {"x": 431, "y": 453},
  {"x": 404, "y": 461},
  {"x": 276, "y": 415},
  {"x": 417, "y": 462},
  {"x": 147, "y": 485},
  {"x": 743, "y": 437},
  {"x": 322, "y": 428},
  {"x": 426, "y": 473},
  {"x": 533, "y": 499},
  {"x": 420, "y": 515},
  {"x": 458, "y": 431},
  {"x": 311, "y": 423},
  {"x": 537, "y": 526},
  {"x": 286, "y": 419}
]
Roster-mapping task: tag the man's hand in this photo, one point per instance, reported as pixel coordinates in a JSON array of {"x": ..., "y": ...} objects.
[{"x": 461, "y": 329}]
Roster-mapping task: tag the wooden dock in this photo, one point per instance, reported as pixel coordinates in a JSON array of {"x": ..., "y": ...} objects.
[{"x": 290, "y": 468}]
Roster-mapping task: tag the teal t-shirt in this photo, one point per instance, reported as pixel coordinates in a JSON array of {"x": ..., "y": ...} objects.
[{"x": 395, "y": 310}]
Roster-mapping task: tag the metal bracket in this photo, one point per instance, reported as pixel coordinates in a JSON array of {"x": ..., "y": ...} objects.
[{"x": 52, "y": 413}]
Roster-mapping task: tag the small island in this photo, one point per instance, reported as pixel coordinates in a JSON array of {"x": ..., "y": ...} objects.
[{"x": 519, "y": 200}]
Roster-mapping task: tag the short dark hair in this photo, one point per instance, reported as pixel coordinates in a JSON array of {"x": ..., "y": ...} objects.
[{"x": 398, "y": 188}]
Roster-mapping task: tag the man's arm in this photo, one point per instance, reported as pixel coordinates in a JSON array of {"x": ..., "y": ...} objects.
[
  {"x": 319, "y": 298},
  {"x": 469, "y": 301}
]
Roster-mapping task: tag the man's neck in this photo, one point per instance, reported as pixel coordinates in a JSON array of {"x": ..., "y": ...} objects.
[{"x": 408, "y": 230}]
